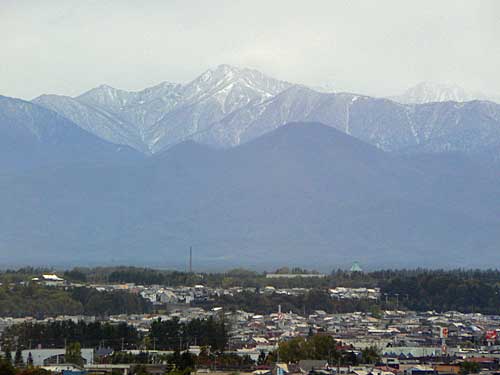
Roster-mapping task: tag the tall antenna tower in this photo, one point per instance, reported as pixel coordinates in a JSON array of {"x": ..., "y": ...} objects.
[{"x": 190, "y": 259}]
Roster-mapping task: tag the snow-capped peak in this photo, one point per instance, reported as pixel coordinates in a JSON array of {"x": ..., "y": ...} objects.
[
  {"x": 427, "y": 92},
  {"x": 168, "y": 110},
  {"x": 227, "y": 77},
  {"x": 105, "y": 96}
]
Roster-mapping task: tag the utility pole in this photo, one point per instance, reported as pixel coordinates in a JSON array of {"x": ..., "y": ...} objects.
[{"x": 190, "y": 259}]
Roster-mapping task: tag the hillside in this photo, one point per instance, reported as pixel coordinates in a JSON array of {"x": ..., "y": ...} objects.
[
  {"x": 303, "y": 194},
  {"x": 227, "y": 106}
]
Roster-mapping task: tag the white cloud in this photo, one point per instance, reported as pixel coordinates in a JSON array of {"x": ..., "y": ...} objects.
[{"x": 378, "y": 47}]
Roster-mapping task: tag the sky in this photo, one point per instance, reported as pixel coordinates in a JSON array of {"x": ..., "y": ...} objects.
[{"x": 372, "y": 47}]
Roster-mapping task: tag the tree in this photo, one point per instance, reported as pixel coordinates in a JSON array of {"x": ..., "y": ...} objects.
[
  {"x": 314, "y": 347},
  {"x": 6, "y": 368},
  {"x": 186, "y": 361},
  {"x": 74, "y": 354},
  {"x": 29, "y": 361},
  {"x": 75, "y": 275},
  {"x": 7, "y": 354},
  {"x": 173, "y": 335},
  {"x": 87, "y": 334},
  {"x": 469, "y": 368},
  {"x": 293, "y": 350},
  {"x": 349, "y": 358},
  {"x": 370, "y": 355},
  {"x": 140, "y": 370},
  {"x": 18, "y": 358},
  {"x": 262, "y": 358},
  {"x": 271, "y": 358}
]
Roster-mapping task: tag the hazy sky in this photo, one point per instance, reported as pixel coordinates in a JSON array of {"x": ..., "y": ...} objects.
[{"x": 374, "y": 47}]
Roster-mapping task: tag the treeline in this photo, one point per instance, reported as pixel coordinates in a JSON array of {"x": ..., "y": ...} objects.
[
  {"x": 173, "y": 334},
  {"x": 231, "y": 278},
  {"x": 445, "y": 291},
  {"x": 25, "y": 274},
  {"x": 247, "y": 278},
  {"x": 147, "y": 276},
  {"x": 21, "y": 274},
  {"x": 105, "y": 303},
  {"x": 58, "y": 333},
  {"x": 36, "y": 301},
  {"x": 163, "y": 335},
  {"x": 39, "y": 301},
  {"x": 6, "y": 368}
]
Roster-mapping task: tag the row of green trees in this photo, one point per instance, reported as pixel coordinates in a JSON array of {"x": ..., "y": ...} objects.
[
  {"x": 243, "y": 277},
  {"x": 173, "y": 334},
  {"x": 18, "y": 358},
  {"x": 59, "y": 333},
  {"x": 444, "y": 291},
  {"x": 16, "y": 365},
  {"x": 164, "y": 335},
  {"x": 7, "y": 368},
  {"x": 18, "y": 300}
]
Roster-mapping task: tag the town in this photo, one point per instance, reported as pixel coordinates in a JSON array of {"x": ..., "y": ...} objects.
[{"x": 187, "y": 331}]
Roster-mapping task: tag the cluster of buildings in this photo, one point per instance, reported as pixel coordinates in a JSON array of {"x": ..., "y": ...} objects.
[
  {"x": 410, "y": 343},
  {"x": 355, "y": 293},
  {"x": 186, "y": 295},
  {"x": 398, "y": 334},
  {"x": 162, "y": 295}
]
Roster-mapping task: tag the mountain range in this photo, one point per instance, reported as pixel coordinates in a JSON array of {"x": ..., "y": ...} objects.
[
  {"x": 31, "y": 136},
  {"x": 250, "y": 171},
  {"x": 227, "y": 106},
  {"x": 431, "y": 92},
  {"x": 161, "y": 116}
]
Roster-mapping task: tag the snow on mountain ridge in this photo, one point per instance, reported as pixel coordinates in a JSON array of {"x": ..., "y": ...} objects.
[
  {"x": 217, "y": 79},
  {"x": 430, "y": 92},
  {"x": 226, "y": 106},
  {"x": 167, "y": 110}
]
